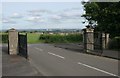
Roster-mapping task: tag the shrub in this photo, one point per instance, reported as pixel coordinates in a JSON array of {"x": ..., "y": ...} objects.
[
  {"x": 4, "y": 38},
  {"x": 114, "y": 43},
  {"x": 57, "y": 38}
]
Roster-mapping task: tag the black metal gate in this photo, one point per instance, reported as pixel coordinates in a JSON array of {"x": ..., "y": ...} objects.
[
  {"x": 98, "y": 43},
  {"x": 22, "y": 42}
]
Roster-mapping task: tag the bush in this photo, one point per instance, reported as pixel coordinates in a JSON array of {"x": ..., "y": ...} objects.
[
  {"x": 4, "y": 38},
  {"x": 47, "y": 38},
  {"x": 114, "y": 43},
  {"x": 57, "y": 38}
]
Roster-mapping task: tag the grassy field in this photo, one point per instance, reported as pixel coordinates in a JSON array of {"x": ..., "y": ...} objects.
[
  {"x": 54, "y": 38},
  {"x": 33, "y": 38},
  {"x": 47, "y": 38}
]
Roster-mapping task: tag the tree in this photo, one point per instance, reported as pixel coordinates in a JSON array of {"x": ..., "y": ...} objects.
[{"x": 103, "y": 16}]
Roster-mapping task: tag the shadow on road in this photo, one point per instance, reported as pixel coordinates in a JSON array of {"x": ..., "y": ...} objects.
[
  {"x": 79, "y": 48},
  {"x": 71, "y": 47}
]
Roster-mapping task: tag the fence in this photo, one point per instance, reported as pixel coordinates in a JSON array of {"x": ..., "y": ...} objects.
[{"x": 94, "y": 42}]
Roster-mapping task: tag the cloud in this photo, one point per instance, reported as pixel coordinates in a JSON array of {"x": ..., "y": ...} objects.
[
  {"x": 48, "y": 16},
  {"x": 77, "y": 8},
  {"x": 16, "y": 15},
  {"x": 38, "y": 12},
  {"x": 56, "y": 17},
  {"x": 35, "y": 19},
  {"x": 73, "y": 9},
  {"x": 73, "y": 14},
  {"x": 34, "y": 14},
  {"x": 8, "y": 21}
]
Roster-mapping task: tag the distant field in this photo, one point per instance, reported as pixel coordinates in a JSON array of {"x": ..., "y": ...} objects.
[
  {"x": 53, "y": 38},
  {"x": 33, "y": 38},
  {"x": 47, "y": 38}
]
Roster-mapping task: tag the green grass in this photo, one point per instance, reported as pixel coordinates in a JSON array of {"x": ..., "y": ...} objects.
[
  {"x": 33, "y": 38},
  {"x": 47, "y": 38},
  {"x": 57, "y": 38}
]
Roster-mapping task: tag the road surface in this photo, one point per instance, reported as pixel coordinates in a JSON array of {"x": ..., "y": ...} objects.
[
  {"x": 54, "y": 61},
  {"x": 14, "y": 65}
]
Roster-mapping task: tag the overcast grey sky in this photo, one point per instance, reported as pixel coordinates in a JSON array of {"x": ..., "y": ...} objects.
[{"x": 42, "y": 15}]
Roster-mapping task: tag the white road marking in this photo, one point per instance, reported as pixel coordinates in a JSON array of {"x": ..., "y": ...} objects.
[
  {"x": 39, "y": 49},
  {"x": 97, "y": 69},
  {"x": 56, "y": 55}
]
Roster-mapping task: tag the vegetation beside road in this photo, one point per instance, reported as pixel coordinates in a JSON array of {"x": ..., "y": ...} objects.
[
  {"x": 47, "y": 38},
  {"x": 57, "y": 38},
  {"x": 33, "y": 38},
  {"x": 53, "y": 38},
  {"x": 103, "y": 16},
  {"x": 114, "y": 43},
  {"x": 3, "y": 37}
]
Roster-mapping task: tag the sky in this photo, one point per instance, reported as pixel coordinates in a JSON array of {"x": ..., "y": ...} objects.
[{"x": 42, "y": 15}]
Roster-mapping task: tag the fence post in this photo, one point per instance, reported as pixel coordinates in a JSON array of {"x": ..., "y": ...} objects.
[
  {"x": 13, "y": 42},
  {"x": 88, "y": 39}
]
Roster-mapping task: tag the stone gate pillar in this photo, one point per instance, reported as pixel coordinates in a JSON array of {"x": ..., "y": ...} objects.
[
  {"x": 13, "y": 42},
  {"x": 88, "y": 39},
  {"x": 105, "y": 40}
]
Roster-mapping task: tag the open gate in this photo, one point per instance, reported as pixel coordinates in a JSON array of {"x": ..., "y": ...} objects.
[
  {"x": 95, "y": 45},
  {"x": 22, "y": 42},
  {"x": 98, "y": 43},
  {"x": 93, "y": 41}
]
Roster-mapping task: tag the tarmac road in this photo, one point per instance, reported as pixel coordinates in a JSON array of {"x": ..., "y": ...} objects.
[
  {"x": 13, "y": 65},
  {"x": 54, "y": 61}
]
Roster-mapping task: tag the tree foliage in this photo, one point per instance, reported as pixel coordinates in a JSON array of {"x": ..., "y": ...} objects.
[{"x": 104, "y": 16}]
